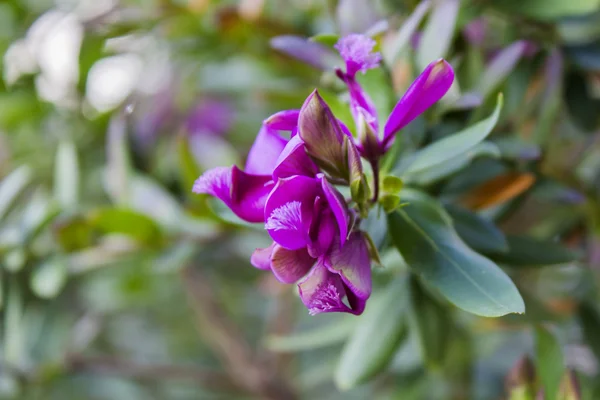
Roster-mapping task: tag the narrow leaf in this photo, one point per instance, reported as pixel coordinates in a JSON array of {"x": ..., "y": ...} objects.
[
  {"x": 374, "y": 342},
  {"x": 454, "y": 145},
  {"x": 498, "y": 190},
  {"x": 409, "y": 27},
  {"x": 423, "y": 233},
  {"x": 126, "y": 222},
  {"x": 479, "y": 233},
  {"x": 316, "y": 338},
  {"x": 549, "y": 361},
  {"x": 66, "y": 175},
  {"x": 438, "y": 34},
  {"x": 526, "y": 251},
  {"x": 500, "y": 67},
  {"x": 11, "y": 186}
]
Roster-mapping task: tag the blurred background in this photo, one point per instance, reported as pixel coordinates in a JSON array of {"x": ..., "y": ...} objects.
[{"x": 118, "y": 283}]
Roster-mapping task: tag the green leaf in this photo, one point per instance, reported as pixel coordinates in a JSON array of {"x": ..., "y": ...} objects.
[
  {"x": 431, "y": 322},
  {"x": 438, "y": 33},
  {"x": 548, "y": 9},
  {"x": 48, "y": 279},
  {"x": 316, "y": 338},
  {"x": 374, "y": 342},
  {"x": 438, "y": 172},
  {"x": 391, "y": 184},
  {"x": 118, "y": 168},
  {"x": 11, "y": 186},
  {"x": 423, "y": 233},
  {"x": 479, "y": 233},
  {"x": 190, "y": 171},
  {"x": 327, "y": 39},
  {"x": 590, "y": 324},
  {"x": 66, "y": 175},
  {"x": 499, "y": 68},
  {"x": 454, "y": 145},
  {"x": 127, "y": 222},
  {"x": 549, "y": 361},
  {"x": 73, "y": 233},
  {"x": 526, "y": 251}
]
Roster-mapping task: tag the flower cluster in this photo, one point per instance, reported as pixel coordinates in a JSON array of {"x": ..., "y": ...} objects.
[{"x": 290, "y": 184}]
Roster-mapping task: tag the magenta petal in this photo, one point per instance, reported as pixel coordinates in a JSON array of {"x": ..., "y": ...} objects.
[
  {"x": 265, "y": 151},
  {"x": 359, "y": 99},
  {"x": 294, "y": 161},
  {"x": 338, "y": 206},
  {"x": 288, "y": 211},
  {"x": 243, "y": 193},
  {"x": 322, "y": 230},
  {"x": 285, "y": 120},
  {"x": 353, "y": 263},
  {"x": 323, "y": 291},
  {"x": 428, "y": 88},
  {"x": 289, "y": 266},
  {"x": 261, "y": 258}
]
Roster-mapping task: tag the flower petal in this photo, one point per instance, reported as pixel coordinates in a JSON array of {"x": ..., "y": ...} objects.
[
  {"x": 338, "y": 206},
  {"x": 245, "y": 194},
  {"x": 293, "y": 160},
  {"x": 322, "y": 230},
  {"x": 359, "y": 99},
  {"x": 289, "y": 266},
  {"x": 265, "y": 151},
  {"x": 288, "y": 211},
  {"x": 285, "y": 120},
  {"x": 261, "y": 258},
  {"x": 429, "y": 87},
  {"x": 322, "y": 291},
  {"x": 357, "y": 52},
  {"x": 313, "y": 53},
  {"x": 353, "y": 264},
  {"x": 322, "y": 135}
]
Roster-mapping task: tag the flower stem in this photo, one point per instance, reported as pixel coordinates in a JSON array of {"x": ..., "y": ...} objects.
[{"x": 375, "y": 169}]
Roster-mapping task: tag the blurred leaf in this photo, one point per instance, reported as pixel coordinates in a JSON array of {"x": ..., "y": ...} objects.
[
  {"x": 498, "y": 190},
  {"x": 66, "y": 175},
  {"x": 118, "y": 168},
  {"x": 92, "y": 50},
  {"x": 312, "y": 53},
  {"x": 548, "y": 361},
  {"x": 38, "y": 213},
  {"x": 355, "y": 16},
  {"x": 326, "y": 39},
  {"x": 500, "y": 67},
  {"x": 73, "y": 233},
  {"x": 438, "y": 33},
  {"x": 586, "y": 56},
  {"x": 16, "y": 108},
  {"x": 515, "y": 148},
  {"x": 589, "y": 316},
  {"x": 14, "y": 331},
  {"x": 406, "y": 32},
  {"x": 315, "y": 338},
  {"x": 48, "y": 279},
  {"x": 375, "y": 340},
  {"x": 190, "y": 171},
  {"x": 431, "y": 322},
  {"x": 580, "y": 104},
  {"x": 127, "y": 222},
  {"x": 548, "y": 9},
  {"x": 11, "y": 186},
  {"x": 526, "y": 251},
  {"x": 423, "y": 233},
  {"x": 478, "y": 233},
  {"x": 454, "y": 145}
]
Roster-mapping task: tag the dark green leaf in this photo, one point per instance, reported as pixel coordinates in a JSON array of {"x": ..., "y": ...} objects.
[
  {"x": 478, "y": 232},
  {"x": 423, "y": 233},
  {"x": 527, "y": 251},
  {"x": 377, "y": 337},
  {"x": 431, "y": 322},
  {"x": 590, "y": 323},
  {"x": 548, "y": 361}
]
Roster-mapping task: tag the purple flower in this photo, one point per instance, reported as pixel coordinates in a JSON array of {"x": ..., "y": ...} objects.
[
  {"x": 475, "y": 31},
  {"x": 210, "y": 116},
  {"x": 428, "y": 88}
]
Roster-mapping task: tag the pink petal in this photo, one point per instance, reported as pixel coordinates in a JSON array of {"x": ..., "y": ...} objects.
[
  {"x": 285, "y": 120},
  {"x": 265, "y": 151},
  {"x": 261, "y": 258},
  {"x": 322, "y": 291},
  {"x": 338, "y": 206},
  {"x": 289, "y": 266}
]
